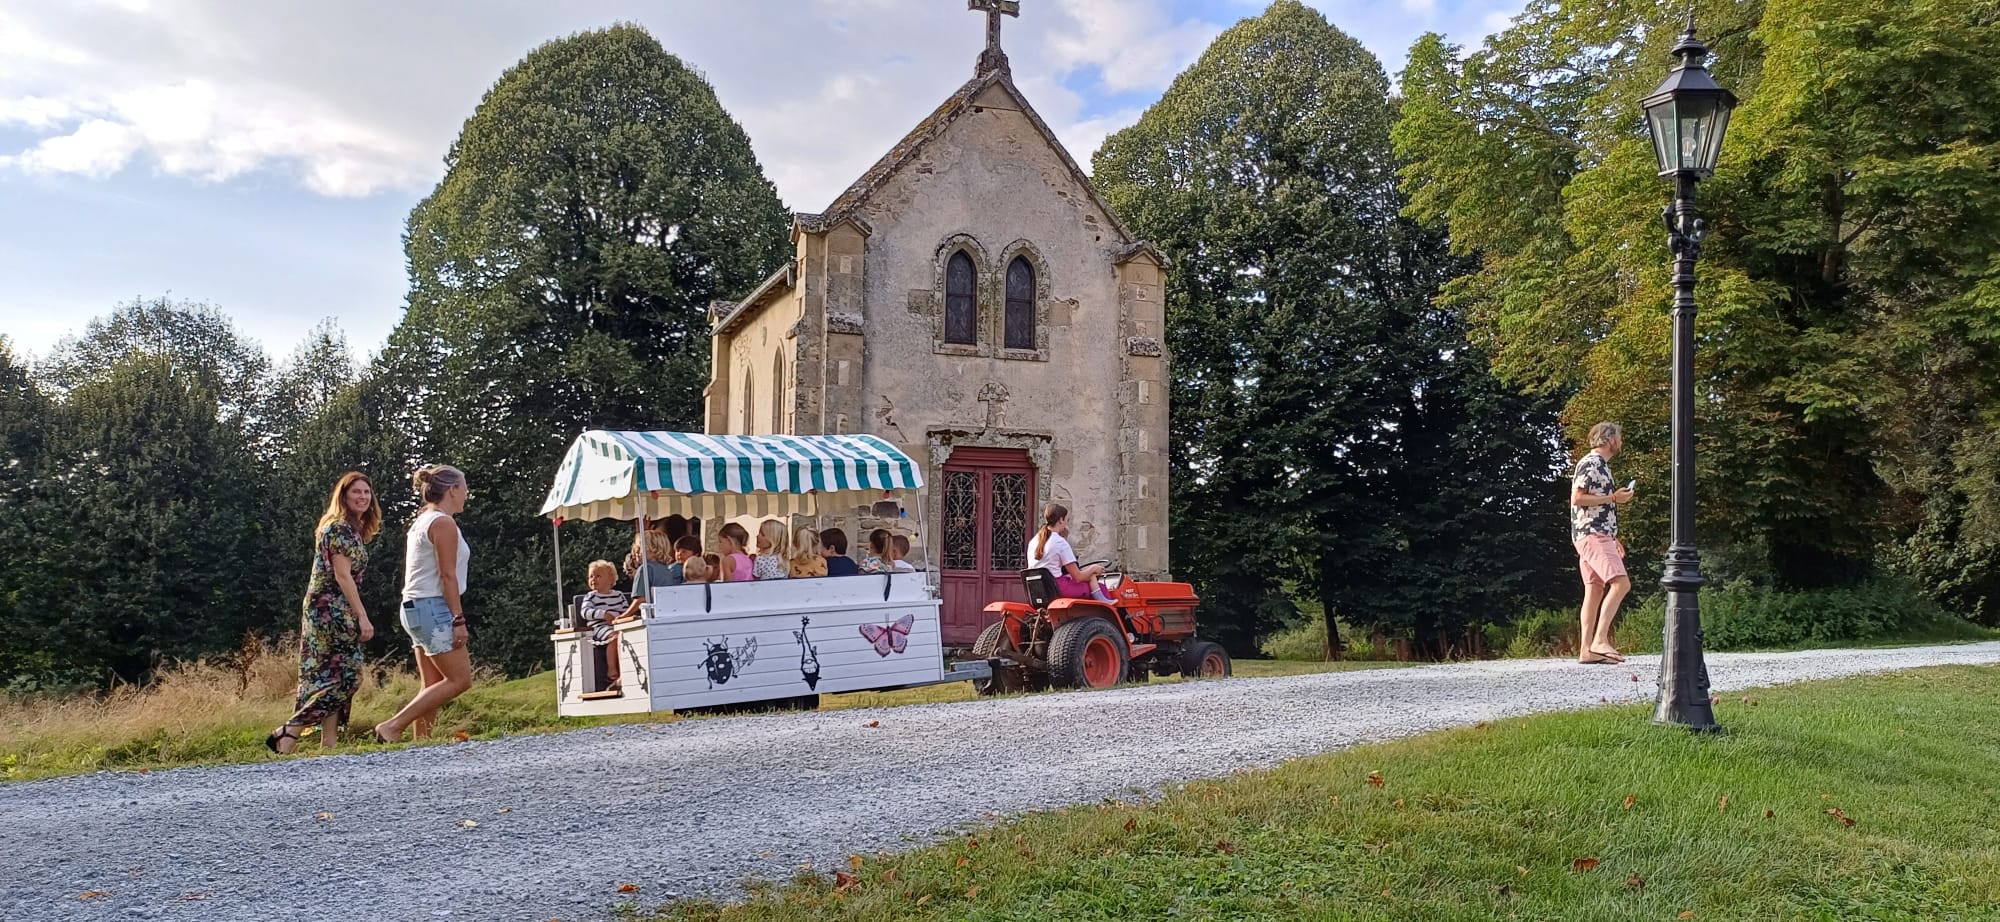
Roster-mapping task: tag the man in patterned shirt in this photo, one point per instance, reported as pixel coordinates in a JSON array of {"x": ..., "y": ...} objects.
[{"x": 1593, "y": 527}]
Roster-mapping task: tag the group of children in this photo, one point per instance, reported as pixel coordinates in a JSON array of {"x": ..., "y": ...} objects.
[{"x": 679, "y": 560}]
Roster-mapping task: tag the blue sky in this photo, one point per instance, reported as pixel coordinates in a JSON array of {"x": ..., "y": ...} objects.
[{"x": 262, "y": 157}]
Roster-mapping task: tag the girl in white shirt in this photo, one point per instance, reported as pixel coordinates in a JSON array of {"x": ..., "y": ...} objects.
[{"x": 1050, "y": 550}]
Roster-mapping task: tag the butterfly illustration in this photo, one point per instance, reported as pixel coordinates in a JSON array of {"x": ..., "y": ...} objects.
[{"x": 890, "y": 638}]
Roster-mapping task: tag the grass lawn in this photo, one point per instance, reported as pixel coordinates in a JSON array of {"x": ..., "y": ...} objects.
[
  {"x": 210, "y": 713},
  {"x": 1869, "y": 798}
]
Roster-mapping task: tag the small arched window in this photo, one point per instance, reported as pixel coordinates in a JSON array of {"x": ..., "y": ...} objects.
[
  {"x": 749, "y": 403},
  {"x": 1020, "y": 304},
  {"x": 961, "y": 301},
  {"x": 778, "y": 393}
]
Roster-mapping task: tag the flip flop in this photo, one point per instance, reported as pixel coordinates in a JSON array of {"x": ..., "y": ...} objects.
[
  {"x": 1597, "y": 659},
  {"x": 1613, "y": 656}
]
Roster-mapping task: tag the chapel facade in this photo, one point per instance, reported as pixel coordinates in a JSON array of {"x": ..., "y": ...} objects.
[{"x": 974, "y": 301}]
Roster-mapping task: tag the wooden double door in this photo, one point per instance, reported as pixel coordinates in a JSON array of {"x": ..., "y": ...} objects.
[{"x": 988, "y": 498}]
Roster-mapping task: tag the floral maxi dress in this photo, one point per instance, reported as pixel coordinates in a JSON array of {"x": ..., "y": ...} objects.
[{"x": 329, "y": 634}]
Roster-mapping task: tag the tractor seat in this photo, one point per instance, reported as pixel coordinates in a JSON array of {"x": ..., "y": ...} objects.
[{"x": 1041, "y": 587}]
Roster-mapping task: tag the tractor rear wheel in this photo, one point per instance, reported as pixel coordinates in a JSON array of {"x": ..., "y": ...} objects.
[
  {"x": 1087, "y": 654},
  {"x": 1204, "y": 660},
  {"x": 992, "y": 642}
]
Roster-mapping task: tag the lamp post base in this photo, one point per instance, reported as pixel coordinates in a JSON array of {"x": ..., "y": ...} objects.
[{"x": 1684, "y": 695}]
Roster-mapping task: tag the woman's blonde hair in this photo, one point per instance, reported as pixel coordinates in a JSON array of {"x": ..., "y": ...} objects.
[
  {"x": 433, "y": 481},
  {"x": 773, "y": 532},
  {"x": 805, "y": 545},
  {"x": 368, "y": 524}
]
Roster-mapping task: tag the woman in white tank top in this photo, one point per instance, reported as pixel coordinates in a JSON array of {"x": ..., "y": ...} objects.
[{"x": 434, "y": 567}]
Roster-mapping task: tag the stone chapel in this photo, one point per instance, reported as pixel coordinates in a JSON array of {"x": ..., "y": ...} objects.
[{"x": 972, "y": 300}]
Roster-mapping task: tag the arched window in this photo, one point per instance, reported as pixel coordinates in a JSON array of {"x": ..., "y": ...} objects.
[
  {"x": 778, "y": 393},
  {"x": 749, "y": 404},
  {"x": 961, "y": 301},
  {"x": 1020, "y": 304}
]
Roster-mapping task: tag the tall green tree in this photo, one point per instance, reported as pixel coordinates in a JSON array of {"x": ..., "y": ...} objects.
[
  {"x": 560, "y": 275},
  {"x": 150, "y": 539},
  {"x": 1321, "y": 406},
  {"x": 1846, "y": 294},
  {"x": 25, "y": 418},
  {"x": 193, "y": 336}
]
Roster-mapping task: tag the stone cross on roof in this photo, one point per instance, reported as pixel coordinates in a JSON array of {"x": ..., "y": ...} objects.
[{"x": 993, "y": 58}]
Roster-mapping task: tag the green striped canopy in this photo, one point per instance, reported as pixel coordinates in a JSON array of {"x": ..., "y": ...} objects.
[{"x": 622, "y": 475}]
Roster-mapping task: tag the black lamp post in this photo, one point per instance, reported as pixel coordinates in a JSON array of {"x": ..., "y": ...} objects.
[{"x": 1687, "y": 116}]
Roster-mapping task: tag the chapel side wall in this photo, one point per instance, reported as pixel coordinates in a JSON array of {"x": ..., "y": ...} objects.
[{"x": 991, "y": 177}]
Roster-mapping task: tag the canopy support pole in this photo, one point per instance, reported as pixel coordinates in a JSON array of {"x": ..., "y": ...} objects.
[{"x": 555, "y": 528}]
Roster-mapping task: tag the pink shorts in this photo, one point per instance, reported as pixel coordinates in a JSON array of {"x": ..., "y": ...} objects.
[
  {"x": 1598, "y": 559},
  {"x": 1072, "y": 588}
]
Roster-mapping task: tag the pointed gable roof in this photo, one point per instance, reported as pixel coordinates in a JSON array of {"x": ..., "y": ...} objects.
[{"x": 846, "y": 206}]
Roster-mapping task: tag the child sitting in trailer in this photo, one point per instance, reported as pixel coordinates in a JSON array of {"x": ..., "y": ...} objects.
[
  {"x": 733, "y": 564},
  {"x": 806, "y": 560},
  {"x": 686, "y": 547},
  {"x": 696, "y": 569},
  {"x": 599, "y": 608},
  {"x": 899, "y": 548},
  {"x": 770, "y": 562},
  {"x": 878, "y": 548},
  {"x": 833, "y": 545}
]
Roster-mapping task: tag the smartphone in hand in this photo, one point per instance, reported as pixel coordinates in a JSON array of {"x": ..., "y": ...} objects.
[{"x": 1629, "y": 484}]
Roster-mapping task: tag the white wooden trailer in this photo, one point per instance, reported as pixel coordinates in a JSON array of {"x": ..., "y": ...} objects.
[{"x": 713, "y": 644}]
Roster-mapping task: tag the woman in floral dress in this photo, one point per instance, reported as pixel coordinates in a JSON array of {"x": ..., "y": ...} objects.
[{"x": 335, "y": 623}]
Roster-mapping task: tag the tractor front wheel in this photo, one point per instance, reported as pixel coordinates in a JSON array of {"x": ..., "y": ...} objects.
[
  {"x": 1204, "y": 660},
  {"x": 1087, "y": 654}
]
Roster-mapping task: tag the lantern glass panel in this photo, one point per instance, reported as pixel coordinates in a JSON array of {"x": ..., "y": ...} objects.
[{"x": 1666, "y": 144}]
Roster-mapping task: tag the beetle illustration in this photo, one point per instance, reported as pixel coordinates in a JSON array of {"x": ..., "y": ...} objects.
[{"x": 723, "y": 664}]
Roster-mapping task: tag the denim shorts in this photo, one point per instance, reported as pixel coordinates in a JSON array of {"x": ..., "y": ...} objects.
[{"x": 428, "y": 622}]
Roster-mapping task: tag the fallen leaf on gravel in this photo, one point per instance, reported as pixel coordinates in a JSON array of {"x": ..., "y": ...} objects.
[
  {"x": 1631, "y": 799},
  {"x": 469, "y": 824},
  {"x": 460, "y": 737},
  {"x": 628, "y": 888},
  {"x": 1635, "y": 677},
  {"x": 765, "y": 854},
  {"x": 92, "y": 894},
  {"x": 322, "y": 816},
  {"x": 1479, "y": 726},
  {"x": 972, "y": 894},
  {"x": 843, "y": 881},
  {"x": 1523, "y": 871},
  {"x": 1635, "y": 882},
  {"x": 1582, "y": 865},
  {"x": 872, "y": 723},
  {"x": 1131, "y": 823},
  {"x": 1375, "y": 780},
  {"x": 1723, "y": 807},
  {"x": 854, "y": 861},
  {"x": 192, "y": 896},
  {"x": 506, "y": 809}
]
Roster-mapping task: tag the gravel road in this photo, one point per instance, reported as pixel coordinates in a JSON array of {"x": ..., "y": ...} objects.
[{"x": 696, "y": 807}]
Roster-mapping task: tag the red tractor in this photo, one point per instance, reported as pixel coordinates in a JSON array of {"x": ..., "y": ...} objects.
[{"x": 1084, "y": 643}]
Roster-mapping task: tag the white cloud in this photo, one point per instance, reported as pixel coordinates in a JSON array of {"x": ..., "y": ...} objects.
[
  {"x": 96, "y": 149},
  {"x": 1134, "y": 44}
]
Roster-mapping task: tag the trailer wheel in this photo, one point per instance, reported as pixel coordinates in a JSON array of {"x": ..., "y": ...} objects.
[
  {"x": 992, "y": 642},
  {"x": 1204, "y": 660},
  {"x": 1087, "y": 654}
]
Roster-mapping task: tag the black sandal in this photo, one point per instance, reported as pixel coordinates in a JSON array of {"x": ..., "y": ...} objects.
[{"x": 283, "y": 731}]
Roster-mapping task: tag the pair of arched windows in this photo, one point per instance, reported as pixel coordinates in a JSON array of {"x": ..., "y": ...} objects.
[{"x": 961, "y": 303}]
